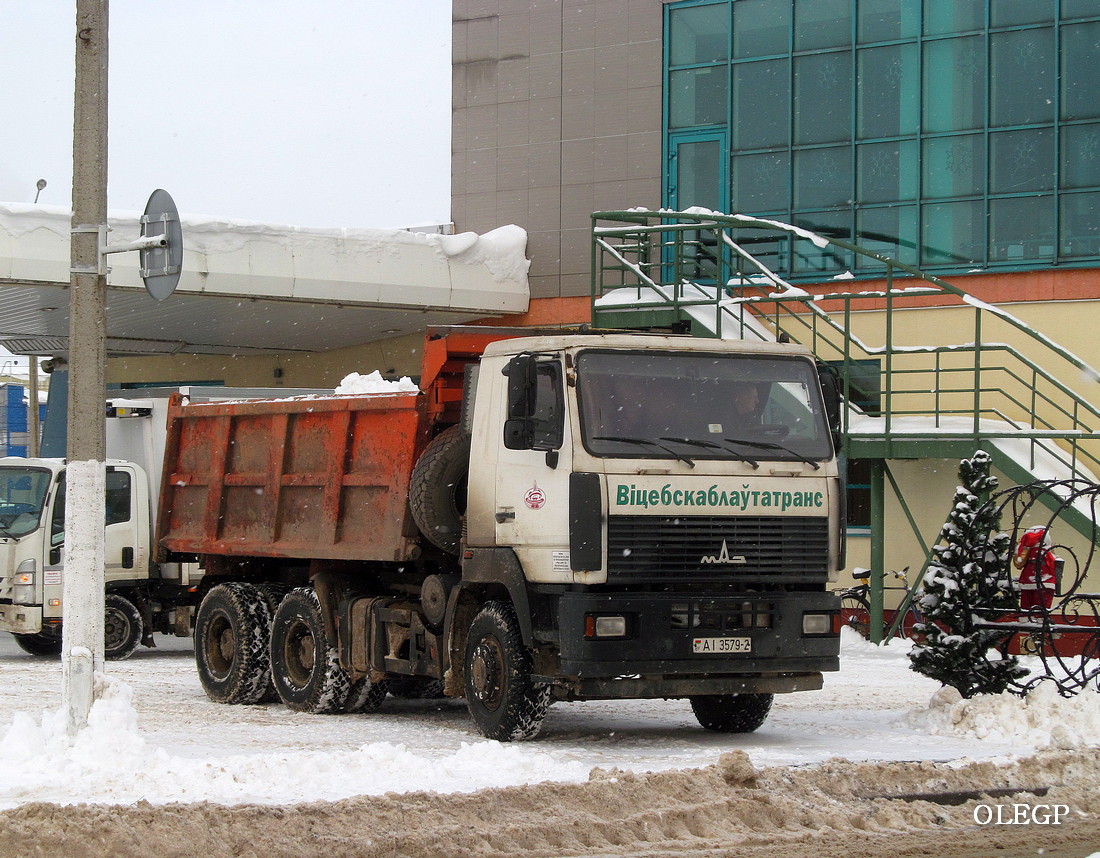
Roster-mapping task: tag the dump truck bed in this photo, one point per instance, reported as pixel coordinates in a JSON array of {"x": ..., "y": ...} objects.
[{"x": 309, "y": 478}]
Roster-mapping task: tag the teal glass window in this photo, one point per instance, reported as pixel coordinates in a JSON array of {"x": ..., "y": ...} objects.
[
  {"x": 1081, "y": 69},
  {"x": 1080, "y": 227},
  {"x": 947, "y": 135},
  {"x": 699, "y": 35},
  {"x": 1022, "y": 77},
  {"x": 1010, "y": 13},
  {"x": 761, "y": 28},
  {"x": 821, "y": 178},
  {"x": 698, "y": 181},
  {"x": 952, "y": 233},
  {"x": 1021, "y": 161},
  {"x": 761, "y": 120},
  {"x": 953, "y": 166},
  {"x": 1081, "y": 156},
  {"x": 891, "y": 231},
  {"x": 941, "y": 17},
  {"x": 822, "y": 260},
  {"x": 1021, "y": 228},
  {"x": 762, "y": 182},
  {"x": 887, "y": 172},
  {"x": 822, "y": 24},
  {"x": 954, "y": 84},
  {"x": 697, "y": 96},
  {"x": 889, "y": 98},
  {"x": 823, "y": 93},
  {"x": 887, "y": 20}
]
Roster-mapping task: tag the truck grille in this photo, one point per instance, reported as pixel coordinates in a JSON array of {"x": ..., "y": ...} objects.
[{"x": 705, "y": 549}]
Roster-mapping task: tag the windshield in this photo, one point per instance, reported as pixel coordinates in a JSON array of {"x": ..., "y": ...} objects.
[
  {"x": 22, "y": 493},
  {"x": 684, "y": 405}
]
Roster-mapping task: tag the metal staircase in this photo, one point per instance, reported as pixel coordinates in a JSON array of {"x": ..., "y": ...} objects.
[{"x": 941, "y": 373}]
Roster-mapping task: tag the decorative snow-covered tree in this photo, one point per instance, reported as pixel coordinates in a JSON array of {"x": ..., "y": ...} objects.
[{"x": 969, "y": 571}]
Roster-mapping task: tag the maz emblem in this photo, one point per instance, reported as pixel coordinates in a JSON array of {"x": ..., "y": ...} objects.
[{"x": 724, "y": 557}]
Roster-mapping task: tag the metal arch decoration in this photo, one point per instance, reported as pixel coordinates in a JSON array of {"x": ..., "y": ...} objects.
[{"x": 1063, "y": 635}]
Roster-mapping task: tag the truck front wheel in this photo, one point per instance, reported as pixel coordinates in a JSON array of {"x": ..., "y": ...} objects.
[
  {"x": 231, "y": 634},
  {"x": 732, "y": 713},
  {"x": 503, "y": 701},
  {"x": 122, "y": 627},
  {"x": 40, "y": 644},
  {"x": 305, "y": 665}
]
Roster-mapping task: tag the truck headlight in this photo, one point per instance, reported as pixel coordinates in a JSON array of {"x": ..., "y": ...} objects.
[
  {"x": 605, "y": 626},
  {"x": 817, "y": 624},
  {"x": 22, "y": 590}
]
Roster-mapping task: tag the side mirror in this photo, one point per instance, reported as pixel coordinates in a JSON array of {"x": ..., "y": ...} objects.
[
  {"x": 522, "y": 386},
  {"x": 520, "y": 371},
  {"x": 830, "y": 392}
]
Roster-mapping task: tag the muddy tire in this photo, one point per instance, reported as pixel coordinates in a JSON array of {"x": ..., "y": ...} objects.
[
  {"x": 305, "y": 666},
  {"x": 416, "y": 688},
  {"x": 503, "y": 701},
  {"x": 123, "y": 628},
  {"x": 273, "y": 594},
  {"x": 437, "y": 493},
  {"x": 366, "y": 696},
  {"x": 39, "y": 645},
  {"x": 231, "y": 635},
  {"x": 732, "y": 713}
]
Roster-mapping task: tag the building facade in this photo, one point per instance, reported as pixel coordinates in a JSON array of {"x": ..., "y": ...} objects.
[
  {"x": 962, "y": 138},
  {"x": 955, "y": 137}
]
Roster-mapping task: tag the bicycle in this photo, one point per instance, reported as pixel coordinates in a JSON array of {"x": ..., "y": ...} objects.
[{"x": 855, "y": 606}]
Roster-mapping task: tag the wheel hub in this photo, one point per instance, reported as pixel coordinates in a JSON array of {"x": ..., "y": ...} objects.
[{"x": 486, "y": 673}]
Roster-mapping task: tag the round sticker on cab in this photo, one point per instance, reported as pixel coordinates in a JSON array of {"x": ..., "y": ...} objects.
[{"x": 535, "y": 497}]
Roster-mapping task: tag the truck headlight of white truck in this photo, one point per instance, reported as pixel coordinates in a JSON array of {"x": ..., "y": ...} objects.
[{"x": 22, "y": 591}]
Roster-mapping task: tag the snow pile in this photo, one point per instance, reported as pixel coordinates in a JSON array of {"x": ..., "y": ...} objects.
[
  {"x": 1043, "y": 719},
  {"x": 111, "y": 762},
  {"x": 374, "y": 383}
]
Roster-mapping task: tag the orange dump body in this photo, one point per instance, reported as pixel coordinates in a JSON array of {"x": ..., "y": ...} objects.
[{"x": 310, "y": 478}]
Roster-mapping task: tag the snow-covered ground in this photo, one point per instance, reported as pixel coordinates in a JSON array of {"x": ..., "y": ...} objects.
[{"x": 155, "y": 736}]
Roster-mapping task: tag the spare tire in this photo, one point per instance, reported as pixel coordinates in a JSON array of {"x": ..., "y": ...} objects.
[{"x": 437, "y": 494}]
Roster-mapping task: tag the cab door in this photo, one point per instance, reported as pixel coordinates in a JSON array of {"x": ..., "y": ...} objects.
[
  {"x": 532, "y": 476},
  {"x": 123, "y": 553}
]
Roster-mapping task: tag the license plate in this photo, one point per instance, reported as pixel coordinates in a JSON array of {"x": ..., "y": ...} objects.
[{"x": 722, "y": 645}]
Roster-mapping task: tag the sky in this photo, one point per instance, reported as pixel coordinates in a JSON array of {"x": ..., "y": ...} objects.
[
  {"x": 154, "y": 736},
  {"x": 324, "y": 115}
]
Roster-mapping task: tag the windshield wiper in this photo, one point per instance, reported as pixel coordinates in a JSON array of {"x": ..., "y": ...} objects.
[
  {"x": 645, "y": 442},
  {"x": 765, "y": 445},
  {"x": 710, "y": 445}
]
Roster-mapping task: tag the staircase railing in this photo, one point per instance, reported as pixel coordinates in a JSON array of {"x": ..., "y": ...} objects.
[{"x": 967, "y": 369}]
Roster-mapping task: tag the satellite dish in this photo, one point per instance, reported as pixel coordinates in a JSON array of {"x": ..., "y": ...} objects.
[{"x": 161, "y": 266}]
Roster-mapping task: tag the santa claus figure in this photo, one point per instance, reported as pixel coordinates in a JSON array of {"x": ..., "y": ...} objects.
[{"x": 1036, "y": 563}]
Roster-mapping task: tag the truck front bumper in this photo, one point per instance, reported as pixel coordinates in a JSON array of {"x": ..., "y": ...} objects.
[
  {"x": 21, "y": 619},
  {"x": 671, "y": 647}
]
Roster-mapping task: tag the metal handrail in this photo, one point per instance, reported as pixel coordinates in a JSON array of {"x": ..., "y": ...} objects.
[{"x": 691, "y": 261}]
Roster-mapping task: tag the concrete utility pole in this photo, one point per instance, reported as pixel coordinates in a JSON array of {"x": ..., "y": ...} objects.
[{"x": 82, "y": 594}]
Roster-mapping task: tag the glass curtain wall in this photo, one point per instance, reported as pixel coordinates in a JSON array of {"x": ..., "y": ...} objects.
[{"x": 947, "y": 135}]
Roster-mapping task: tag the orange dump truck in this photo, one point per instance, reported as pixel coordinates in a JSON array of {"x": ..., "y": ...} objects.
[{"x": 555, "y": 516}]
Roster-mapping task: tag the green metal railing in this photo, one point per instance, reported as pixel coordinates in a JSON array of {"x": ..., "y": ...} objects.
[{"x": 987, "y": 377}]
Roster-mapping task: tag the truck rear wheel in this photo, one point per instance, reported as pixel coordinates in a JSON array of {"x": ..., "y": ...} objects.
[
  {"x": 39, "y": 644},
  {"x": 231, "y": 635},
  {"x": 437, "y": 490},
  {"x": 503, "y": 701},
  {"x": 416, "y": 687},
  {"x": 305, "y": 665},
  {"x": 366, "y": 696},
  {"x": 732, "y": 713},
  {"x": 123, "y": 628}
]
